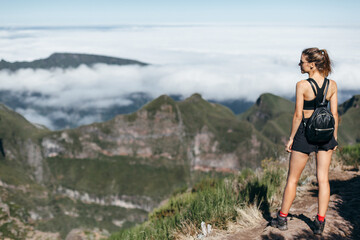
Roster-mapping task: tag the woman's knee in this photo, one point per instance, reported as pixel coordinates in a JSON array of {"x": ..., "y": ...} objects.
[
  {"x": 323, "y": 181},
  {"x": 292, "y": 181}
]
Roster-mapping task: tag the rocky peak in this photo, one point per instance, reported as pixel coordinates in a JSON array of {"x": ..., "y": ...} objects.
[{"x": 196, "y": 97}]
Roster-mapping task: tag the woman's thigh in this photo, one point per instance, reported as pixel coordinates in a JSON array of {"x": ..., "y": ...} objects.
[{"x": 297, "y": 164}]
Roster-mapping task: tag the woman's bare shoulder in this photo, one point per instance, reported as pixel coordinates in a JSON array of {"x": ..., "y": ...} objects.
[
  {"x": 301, "y": 83},
  {"x": 332, "y": 86},
  {"x": 332, "y": 82}
]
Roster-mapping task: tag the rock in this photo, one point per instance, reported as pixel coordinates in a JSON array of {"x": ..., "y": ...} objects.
[{"x": 86, "y": 234}]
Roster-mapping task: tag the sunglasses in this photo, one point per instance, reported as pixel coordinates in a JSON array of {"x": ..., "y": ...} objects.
[{"x": 301, "y": 62}]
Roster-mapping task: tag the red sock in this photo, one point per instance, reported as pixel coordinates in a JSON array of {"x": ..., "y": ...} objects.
[
  {"x": 320, "y": 218},
  {"x": 282, "y": 214}
]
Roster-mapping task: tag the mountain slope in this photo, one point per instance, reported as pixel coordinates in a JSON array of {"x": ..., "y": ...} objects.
[
  {"x": 67, "y": 60},
  {"x": 112, "y": 174},
  {"x": 349, "y": 111},
  {"x": 20, "y": 142},
  {"x": 272, "y": 116}
]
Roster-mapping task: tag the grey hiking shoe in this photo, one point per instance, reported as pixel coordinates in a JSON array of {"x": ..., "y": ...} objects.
[
  {"x": 279, "y": 222},
  {"x": 318, "y": 226}
]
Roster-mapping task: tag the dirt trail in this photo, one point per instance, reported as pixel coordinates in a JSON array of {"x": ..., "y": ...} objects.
[{"x": 342, "y": 217}]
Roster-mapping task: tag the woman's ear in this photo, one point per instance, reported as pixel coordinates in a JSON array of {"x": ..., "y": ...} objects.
[{"x": 312, "y": 65}]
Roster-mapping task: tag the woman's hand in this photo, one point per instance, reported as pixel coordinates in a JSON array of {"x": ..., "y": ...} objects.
[{"x": 289, "y": 145}]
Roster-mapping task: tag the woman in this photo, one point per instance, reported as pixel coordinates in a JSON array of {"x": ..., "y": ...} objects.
[{"x": 316, "y": 63}]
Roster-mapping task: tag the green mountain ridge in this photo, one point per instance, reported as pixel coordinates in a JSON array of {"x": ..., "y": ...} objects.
[
  {"x": 349, "y": 111},
  {"x": 67, "y": 60},
  {"x": 272, "y": 116}
]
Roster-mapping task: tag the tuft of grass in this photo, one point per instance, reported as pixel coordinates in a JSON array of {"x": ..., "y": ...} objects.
[{"x": 249, "y": 216}]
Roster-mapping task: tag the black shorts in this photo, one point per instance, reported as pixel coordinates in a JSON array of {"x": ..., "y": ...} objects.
[{"x": 300, "y": 143}]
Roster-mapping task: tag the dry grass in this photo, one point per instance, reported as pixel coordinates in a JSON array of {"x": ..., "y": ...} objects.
[
  {"x": 188, "y": 231},
  {"x": 249, "y": 217},
  {"x": 336, "y": 163}
]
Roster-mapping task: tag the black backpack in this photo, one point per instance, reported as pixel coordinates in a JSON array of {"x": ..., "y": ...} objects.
[{"x": 320, "y": 127}]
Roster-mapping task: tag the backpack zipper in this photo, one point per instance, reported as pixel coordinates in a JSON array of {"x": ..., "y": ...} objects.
[{"x": 325, "y": 129}]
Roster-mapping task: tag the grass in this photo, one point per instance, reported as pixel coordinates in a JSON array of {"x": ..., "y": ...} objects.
[
  {"x": 12, "y": 172},
  {"x": 88, "y": 215},
  {"x": 217, "y": 201},
  {"x": 350, "y": 155},
  {"x": 116, "y": 175}
]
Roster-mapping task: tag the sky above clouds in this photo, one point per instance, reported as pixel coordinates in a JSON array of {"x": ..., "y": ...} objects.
[
  {"x": 222, "y": 50},
  {"x": 113, "y": 12}
]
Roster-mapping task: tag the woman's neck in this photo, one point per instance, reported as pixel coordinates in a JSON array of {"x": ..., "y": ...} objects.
[{"x": 316, "y": 75}]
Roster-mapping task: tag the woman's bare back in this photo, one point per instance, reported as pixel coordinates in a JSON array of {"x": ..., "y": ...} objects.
[{"x": 309, "y": 93}]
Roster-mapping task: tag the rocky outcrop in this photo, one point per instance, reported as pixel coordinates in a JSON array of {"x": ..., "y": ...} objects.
[
  {"x": 205, "y": 155},
  {"x": 157, "y": 131},
  {"x": 35, "y": 159},
  {"x": 87, "y": 234},
  {"x": 124, "y": 201},
  {"x": 158, "y": 137},
  {"x": 14, "y": 227}
]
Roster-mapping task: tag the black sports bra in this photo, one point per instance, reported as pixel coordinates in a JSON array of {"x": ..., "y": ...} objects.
[{"x": 310, "y": 105}]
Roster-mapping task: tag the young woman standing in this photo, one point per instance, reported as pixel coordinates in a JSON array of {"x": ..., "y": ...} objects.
[{"x": 316, "y": 63}]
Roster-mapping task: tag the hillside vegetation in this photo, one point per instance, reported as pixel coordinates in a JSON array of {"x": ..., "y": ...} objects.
[
  {"x": 349, "y": 131},
  {"x": 214, "y": 201},
  {"x": 272, "y": 116},
  {"x": 113, "y": 174}
]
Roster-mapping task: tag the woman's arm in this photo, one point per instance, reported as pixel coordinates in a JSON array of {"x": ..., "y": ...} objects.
[
  {"x": 297, "y": 118},
  {"x": 334, "y": 107}
]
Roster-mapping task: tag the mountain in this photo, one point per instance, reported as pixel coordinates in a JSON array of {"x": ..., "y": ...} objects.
[
  {"x": 67, "y": 60},
  {"x": 63, "y": 117},
  {"x": 349, "y": 112},
  {"x": 35, "y": 198},
  {"x": 111, "y": 174},
  {"x": 236, "y": 105},
  {"x": 193, "y": 130},
  {"x": 272, "y": 116}
]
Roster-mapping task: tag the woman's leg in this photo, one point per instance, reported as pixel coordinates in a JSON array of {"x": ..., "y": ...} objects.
[
  {"x": 323, "y": 159},
  {"x": 296, "y": 166}
]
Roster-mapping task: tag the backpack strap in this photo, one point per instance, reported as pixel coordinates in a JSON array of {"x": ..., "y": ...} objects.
[
  {"x": 326, "y": 89},
  {"x": 312, "y": 81}
]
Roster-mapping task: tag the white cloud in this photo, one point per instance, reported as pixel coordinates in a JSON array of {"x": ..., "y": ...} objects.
[
  {"x": 35, "y": 117},
  {"x": 219, "y": 61}
]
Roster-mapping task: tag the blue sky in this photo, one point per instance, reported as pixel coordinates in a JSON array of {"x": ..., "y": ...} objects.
[{"x": 111, "y": 12}]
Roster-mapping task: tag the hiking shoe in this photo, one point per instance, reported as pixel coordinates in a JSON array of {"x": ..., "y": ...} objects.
[
  {"x": 318, "y": 226},
  {"x": 279, "y": 222}
]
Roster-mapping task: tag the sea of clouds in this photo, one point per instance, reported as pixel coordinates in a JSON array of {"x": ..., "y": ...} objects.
[{"x": 218, "y": 61}]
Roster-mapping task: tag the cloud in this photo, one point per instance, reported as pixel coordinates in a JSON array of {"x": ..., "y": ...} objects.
[
  {"x": 218, "y": 61},
  {"x": 35, "y": 117}
]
